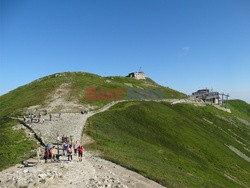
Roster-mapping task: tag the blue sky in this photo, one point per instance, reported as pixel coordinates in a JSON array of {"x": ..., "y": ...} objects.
[{"x": 186, "y": 45}]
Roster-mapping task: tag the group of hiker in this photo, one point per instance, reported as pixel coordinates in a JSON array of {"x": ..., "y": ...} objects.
[
  {"x": 49, "y": 153},
  {"x": 68, "y": 149},
  {"x": 40, "y": 119},
  {"x": 32, "y": 118}
]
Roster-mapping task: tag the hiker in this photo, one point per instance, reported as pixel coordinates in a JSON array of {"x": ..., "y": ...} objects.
[
  {"x": 46, "y": 112},
  {"x": 63, "y": 138},
  {"x": 59, "y": 114},
  {"x": 76, "y": 145},
  {"x": 82, "y": 112},
  {"x": 46, "y": 155},
  {"x": 24, "y": 118},
  {"x": 80, "y": 151},
  {"x": 47, "y": 147},
  {"x": 69, "y": 151},
  {"x": 66, "y": 138},
  {"x": 71, "y": 139},
  {"x": 50, "y": 117},
  {"x": 39, "y": 117},
  {"x": 52, "y": 153},
  {"x": 65, "y": 147}
]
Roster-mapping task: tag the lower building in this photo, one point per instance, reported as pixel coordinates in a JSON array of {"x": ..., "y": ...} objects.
[{"x": 206, "y": 96}]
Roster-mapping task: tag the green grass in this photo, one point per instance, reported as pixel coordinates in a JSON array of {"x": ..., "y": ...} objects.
[
  {"x": 13, "y": 145},
  {"x": 172, "y": 144},
  {"x": 39, "y": 91},
  {"x": 240, "y": 108}
]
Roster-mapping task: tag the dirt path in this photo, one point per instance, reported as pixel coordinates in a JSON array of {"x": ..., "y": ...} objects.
[{"x": 92, "y": 172}]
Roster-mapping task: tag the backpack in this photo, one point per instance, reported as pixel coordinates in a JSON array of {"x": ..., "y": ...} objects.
[
  {"x": 69, "y": 150},
  {"x": 47, "y": 153}
]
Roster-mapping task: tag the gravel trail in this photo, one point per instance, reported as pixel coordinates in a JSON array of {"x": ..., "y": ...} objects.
[{"x": 92, "y": 172}]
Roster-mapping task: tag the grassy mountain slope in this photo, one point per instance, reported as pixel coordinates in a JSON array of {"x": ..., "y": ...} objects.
[
  {"x": 14, "y": 146},
  {"x": 240, "y": 108},
  {"x": 177, "y": 145}
]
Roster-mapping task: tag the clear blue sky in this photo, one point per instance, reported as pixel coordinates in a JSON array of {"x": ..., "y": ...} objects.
[{"x": 186, "y": 45}]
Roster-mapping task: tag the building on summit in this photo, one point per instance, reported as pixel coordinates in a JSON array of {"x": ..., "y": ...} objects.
[{"x": 137, "y": 75}]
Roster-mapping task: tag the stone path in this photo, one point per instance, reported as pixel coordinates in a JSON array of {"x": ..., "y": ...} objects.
[{"x": 92, "y": 172}]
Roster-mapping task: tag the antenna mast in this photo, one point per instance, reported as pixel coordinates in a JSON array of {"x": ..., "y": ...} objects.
[{"x": 140, "y": 69}]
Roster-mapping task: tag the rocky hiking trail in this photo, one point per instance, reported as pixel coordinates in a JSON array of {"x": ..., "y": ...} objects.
[{"x": 92, "y": 172}]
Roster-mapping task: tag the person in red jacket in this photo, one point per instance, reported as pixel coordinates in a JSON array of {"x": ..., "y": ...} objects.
[
  {"x": 46, "y": 155},
  {"x": 80, "y": 151}
]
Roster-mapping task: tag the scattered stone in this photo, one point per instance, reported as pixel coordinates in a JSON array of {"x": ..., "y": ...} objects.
[
  {"x": 42, "y": 181},
  {"x": 42, "y": 176},
  {"x": 25, "y": 171}
]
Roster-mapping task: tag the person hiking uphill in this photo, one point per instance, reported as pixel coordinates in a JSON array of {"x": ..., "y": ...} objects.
[
  {"x": 71, "y": 139},
  {"x": 52, "y": 153},
  {"x": 47, "y": 147},
  {"x": 65, "y": 147},
  {"x": 63, "y": 138},
  {"x": 70, "y": 151},
  {"x": 76, "y": 145},
  {"x": 80, "y": 151},
  {"x": 46, "y": 155}
]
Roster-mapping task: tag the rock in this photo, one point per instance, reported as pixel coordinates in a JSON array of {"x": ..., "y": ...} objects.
[
  {"x": 43, "y": 181},
  {"x": 21, "y": 166},
  {"x": 31, "y": 179},
  {"x": 42, "y": 176},
  {"x": 20, "y": 183},
  {"x": 25, "y": 171}
]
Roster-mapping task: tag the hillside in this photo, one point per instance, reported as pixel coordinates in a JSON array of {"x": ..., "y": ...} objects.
[
  {"x": 177, "y": 145},
  {"x": 61, "y": 92},
  {"x": 240, "y": 108},
  {"x": 173, "y": 143}
]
